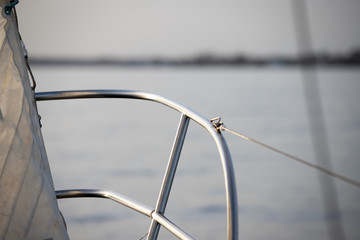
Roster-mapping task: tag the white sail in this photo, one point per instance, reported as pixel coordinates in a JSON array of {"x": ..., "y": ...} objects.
[{"x": 28, "y": 205}]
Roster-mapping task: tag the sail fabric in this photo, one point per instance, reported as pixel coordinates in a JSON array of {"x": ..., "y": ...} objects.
[{"x": 28, "y": 205}]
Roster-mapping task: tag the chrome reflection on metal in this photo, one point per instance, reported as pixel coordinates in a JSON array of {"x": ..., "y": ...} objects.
[
  {"x": 228, "y": 171},
  {"x": 169, "y": 175},
  {"x": 97, "y": 193},
  {"x": 172, "y": 227},
  {"x": 128, "y": 202}
]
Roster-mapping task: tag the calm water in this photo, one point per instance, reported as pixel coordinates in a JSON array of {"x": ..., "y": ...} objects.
[{"x": 124, "y": 145}]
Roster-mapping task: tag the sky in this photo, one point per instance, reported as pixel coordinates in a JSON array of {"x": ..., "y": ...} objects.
[{"x": 118, "y": 28}]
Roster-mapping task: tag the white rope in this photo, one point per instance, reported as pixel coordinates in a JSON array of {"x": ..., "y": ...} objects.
[{"x": 324, "y": 170}]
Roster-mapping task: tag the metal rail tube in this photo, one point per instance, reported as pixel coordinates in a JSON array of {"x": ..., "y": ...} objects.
[
  {"x": 228, "y": 171},
  {"x": 172, "y": 227},
  {"x": 169, "y": 175},
  {"x": 123, "y": 200},
  {"x": 129, "y": 94}
]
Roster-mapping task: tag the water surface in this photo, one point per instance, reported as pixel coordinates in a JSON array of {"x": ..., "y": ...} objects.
[{"x": 124, "y": 145}]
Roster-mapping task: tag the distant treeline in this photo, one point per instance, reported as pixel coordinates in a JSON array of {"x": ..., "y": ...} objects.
[{"x": 307, "y": 60}]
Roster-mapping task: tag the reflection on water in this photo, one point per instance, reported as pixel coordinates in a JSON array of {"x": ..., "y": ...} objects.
[{"x": 124, "y": 145}]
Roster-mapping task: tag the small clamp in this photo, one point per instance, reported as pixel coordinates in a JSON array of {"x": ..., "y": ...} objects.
[
  {"x": 217, "y": 123},
  {"x": 8, "y": 8}
]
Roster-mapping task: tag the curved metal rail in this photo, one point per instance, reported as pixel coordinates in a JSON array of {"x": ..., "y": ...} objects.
[
  {"x": 157, "y": 214},
  {"x": 128, "y": 202}
]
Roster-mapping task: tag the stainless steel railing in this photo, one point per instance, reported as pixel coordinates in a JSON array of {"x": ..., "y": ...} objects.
[{"x": 157, "y": 214}]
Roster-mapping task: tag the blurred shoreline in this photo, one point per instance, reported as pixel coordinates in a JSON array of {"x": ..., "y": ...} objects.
[{"x": 351, "y": 59}]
